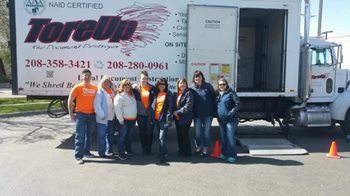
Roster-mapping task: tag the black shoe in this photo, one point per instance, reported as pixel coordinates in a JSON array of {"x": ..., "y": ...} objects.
[
  {"x": 89, "y": 155},
  {"x": 204, "y": 155},
  {"x": 186, "y": 154},
  {"x": 197, "y": 151},
  {"x": 162, "y": 158},
  {"x": 148, "y": 151},
  {"x": 122, "y": 157}
]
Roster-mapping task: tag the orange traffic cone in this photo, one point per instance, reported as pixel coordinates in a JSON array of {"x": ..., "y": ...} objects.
[
  {"x": 333, "y": 152},
  {"x": 217, "y": 151}
]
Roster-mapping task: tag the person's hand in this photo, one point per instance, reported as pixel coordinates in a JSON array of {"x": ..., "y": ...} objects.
[
  {"x": 72, "y": 116},
  {"x": 121, "y": 122},
  {"x": 175, "y": 114}
]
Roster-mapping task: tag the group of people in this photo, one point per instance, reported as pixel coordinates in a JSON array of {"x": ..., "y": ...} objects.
[{"x": 152, "y": 106}]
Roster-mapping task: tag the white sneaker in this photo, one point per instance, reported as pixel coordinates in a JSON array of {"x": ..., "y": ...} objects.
[
  {"x": 109, "y": 154},
  {"x": 80, "y": 161}
]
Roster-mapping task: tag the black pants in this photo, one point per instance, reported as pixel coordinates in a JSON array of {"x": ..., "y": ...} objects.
[
  {"x": 145, "y": 132},
  {"x": 183, "y": 139}
]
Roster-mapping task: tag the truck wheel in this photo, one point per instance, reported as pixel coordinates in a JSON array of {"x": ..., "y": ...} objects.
[{"x": 345, "y": 125}]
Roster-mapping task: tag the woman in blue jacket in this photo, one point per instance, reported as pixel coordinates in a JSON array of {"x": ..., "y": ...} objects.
[
  {"x": 105, "y": 118},
  {"x": 228, "y": 104},
  {"x": 204, "y": 109},
  {"x": 183, "y": 112}
]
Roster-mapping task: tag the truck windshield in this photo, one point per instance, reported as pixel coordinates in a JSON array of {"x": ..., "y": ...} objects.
[{"x": 322, "y": 57}]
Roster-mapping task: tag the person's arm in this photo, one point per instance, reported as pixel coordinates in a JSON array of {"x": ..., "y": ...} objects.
[
  {"x": 98, "y": 104},
  {"x": 237, "y": 105},
  {"x": 71, "y": 98},
  {"x": 188, "y": 104},
  {"x": 118, "y": 104}
]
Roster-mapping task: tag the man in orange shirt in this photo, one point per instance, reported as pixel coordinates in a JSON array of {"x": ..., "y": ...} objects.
[{"x": 84, "y": 95}]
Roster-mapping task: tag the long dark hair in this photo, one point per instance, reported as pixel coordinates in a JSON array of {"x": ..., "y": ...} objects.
[
  {"x": 181, "y": 80},
  {"x": 162, "y": 80},
  {"x": 198, "y": 73}
]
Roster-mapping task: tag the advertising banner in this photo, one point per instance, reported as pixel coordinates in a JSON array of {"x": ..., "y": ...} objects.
[{"x": 56, "y": 40}]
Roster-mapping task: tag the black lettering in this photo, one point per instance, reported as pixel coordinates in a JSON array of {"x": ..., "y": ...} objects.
[
  {"x": 105, "y": 27},
  {"x": 69, "y": 27},
  {"x": 34, "y": 32},
  {"x": 124, "y": 31},
  {"x": 51, "y": 32},
  {"x": 85, "y": 30}
]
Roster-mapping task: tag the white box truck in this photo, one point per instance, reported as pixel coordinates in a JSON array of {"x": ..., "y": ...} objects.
[{"x": 255, "y": 44}]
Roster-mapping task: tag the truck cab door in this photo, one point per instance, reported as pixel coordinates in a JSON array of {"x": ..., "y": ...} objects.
[
  {"x": 323, "y": 73},
  {"x": 212, "y": 42}
]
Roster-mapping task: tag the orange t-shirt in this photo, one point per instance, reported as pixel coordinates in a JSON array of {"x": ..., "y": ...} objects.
[
  {"x": 144, "y": 90},
  {"x": 159, "y": 104},
  {"x": 84, "y": 96},
  {"x": 110, "y": 93}
]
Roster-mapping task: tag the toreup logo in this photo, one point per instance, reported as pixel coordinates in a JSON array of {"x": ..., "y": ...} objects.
[
  {"x": 141, "y": 26},
  {"x": 107, "y": 27},
  {"x": 34, "y": 7}
]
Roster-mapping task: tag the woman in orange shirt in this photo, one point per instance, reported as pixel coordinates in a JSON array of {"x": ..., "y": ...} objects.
[
  {"x": 162, "y": 106},
  {"x": 144, "y": 94}
]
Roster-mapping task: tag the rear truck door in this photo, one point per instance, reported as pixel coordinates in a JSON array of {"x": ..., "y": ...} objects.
[{"x": 212, "y": 43}]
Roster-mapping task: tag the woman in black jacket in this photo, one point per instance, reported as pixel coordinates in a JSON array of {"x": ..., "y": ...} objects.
[
  {"x": 227, "y": 107},
  {"x": 183, "y": 112},
  {"x": 162, "y": 106}
]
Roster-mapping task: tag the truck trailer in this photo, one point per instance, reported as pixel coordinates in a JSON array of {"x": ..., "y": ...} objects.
[{"x": 279, "y": 74}]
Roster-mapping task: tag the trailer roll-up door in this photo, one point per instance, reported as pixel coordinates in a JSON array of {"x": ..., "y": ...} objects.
[{"x": 212, "y": 42}]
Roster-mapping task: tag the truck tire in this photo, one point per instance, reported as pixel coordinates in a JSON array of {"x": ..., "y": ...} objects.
[{"x": 345, "y": 125}]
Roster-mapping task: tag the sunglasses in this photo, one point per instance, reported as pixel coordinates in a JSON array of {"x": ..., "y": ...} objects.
[
  {"x": 222, "y": 84},
  {"x": 161, "y": 83}
]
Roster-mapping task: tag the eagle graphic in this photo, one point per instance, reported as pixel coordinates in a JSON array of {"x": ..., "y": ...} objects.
[{"x": 150, "y": 18}]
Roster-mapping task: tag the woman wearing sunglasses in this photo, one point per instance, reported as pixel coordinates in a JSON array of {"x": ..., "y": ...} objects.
[
  {"x": 162, "y": 106},
  {"x": 227, "y": 107},
  {"x": 126, "y": 111}
]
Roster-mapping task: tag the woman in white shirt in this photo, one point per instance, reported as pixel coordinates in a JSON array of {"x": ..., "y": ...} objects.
[{"x": 125, "y": 107}]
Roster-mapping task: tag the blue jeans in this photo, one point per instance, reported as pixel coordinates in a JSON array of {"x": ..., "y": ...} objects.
[
  {"x": 125, "y": 136},
  {"x": 227, "y": 136},
  {"x": 163, "y": 135},
  {"x": 202, "y": 125},
  {"x": 101, "y": 138},
  {"x": 84, "y": 126},
  {"x": 110, "y": 134}
]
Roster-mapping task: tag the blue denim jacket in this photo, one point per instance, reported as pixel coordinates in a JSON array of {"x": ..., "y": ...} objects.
[{"x": 101, "y": 106}]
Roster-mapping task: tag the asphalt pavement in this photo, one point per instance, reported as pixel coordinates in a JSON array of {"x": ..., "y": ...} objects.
[{"x": 37, "y": 158}]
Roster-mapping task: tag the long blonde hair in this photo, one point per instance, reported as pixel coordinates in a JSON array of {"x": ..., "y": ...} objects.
[{"x": 104, "y": 79}]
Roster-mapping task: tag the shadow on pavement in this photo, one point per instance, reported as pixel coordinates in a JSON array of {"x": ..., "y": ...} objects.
[{"x": 140, "y": 159}]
